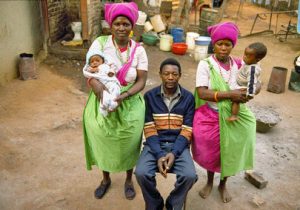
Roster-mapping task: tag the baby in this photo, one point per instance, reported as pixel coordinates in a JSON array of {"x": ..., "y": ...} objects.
[
  {"x": 98, "y": 69},
  {"x": 249, "y": 73}
]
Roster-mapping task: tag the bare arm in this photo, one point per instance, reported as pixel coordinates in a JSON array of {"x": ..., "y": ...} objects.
[
  {"x": 238, "y": 95},
  {"x": 97, "y": 87}
]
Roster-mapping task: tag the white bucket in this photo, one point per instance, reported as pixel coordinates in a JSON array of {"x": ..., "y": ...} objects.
[
  {"x": 166, "y": 42},
  {"x": 201, "y": 47},
  {"x": 148, "y": 26},
  {"x": 200, "y": 52},
  {"x": 190, "y": 40},
  {"x": 157, "y": 23},
  {"x": 142, "y": 18}
]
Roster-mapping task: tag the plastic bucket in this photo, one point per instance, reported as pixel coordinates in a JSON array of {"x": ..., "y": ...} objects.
[
  {"x": 157, "y": 23},
  {"x": 166, "y": 42},
  {"x": 177, "y": 34},
  {"x": 190, "y": 39},
  {"x": 201, "y": 47},
  {"x": 208, "y": 17},
  {"x": 142, "y": 18},
  {"x": 148, "y": 26},
  {"x": 27, "y": 66}
]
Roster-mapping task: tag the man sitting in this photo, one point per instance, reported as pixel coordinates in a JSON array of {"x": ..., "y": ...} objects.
[{"x": 168, "y": 132}]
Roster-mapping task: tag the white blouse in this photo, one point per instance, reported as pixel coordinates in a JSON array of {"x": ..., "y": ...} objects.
[
  {"x": 203, "y": 75},
  {"x": 140, "y": 59}
]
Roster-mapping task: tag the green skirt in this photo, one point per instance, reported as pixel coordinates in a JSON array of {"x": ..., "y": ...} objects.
[{"x": 113, "y": 143}]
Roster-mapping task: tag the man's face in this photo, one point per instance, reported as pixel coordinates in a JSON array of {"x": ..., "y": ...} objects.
[{"x": 170, "y": 76}]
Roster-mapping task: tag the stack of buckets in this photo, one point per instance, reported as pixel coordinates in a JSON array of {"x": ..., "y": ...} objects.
[
  {"x": 167, "y": 40},
  {"x": 201, "y": 47}
]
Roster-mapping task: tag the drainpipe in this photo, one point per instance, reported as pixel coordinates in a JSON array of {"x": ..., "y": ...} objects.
[
  {"x": 46, "y": 42},
  {"x": 84, "y": 20}
]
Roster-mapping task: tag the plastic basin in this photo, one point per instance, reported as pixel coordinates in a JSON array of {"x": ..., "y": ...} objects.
[
  {"x": 179, "y": 48},
  {"x": 149, "y": 39}
]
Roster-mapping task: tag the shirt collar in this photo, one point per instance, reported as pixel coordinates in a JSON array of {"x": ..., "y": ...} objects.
[{"x": 177, "y": 92}]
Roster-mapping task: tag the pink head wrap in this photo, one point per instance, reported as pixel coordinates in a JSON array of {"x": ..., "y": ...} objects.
[
  {"x": 226, "y": 30},
  {"x": 129, "y": 10}
]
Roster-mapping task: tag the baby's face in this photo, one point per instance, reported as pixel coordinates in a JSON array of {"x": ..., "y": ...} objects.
[
  {"x": 95, "y": 61},
  {"x": 249, "y": 56}
]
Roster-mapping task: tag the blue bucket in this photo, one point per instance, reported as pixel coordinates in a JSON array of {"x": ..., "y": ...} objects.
[{"x": 177, "y": 34}]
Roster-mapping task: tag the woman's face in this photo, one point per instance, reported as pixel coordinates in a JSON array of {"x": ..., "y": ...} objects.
[
  {"x": 222, "y": 49},
  {"x": 121, "y": 28}
]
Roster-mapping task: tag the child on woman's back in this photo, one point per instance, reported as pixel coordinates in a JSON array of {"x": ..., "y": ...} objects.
[{"x": 249, "y": 73}]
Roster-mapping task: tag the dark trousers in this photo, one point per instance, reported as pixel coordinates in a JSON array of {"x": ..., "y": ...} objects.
[{"x": 145, "y": 171}]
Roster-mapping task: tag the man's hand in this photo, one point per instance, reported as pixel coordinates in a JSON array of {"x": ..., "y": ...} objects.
[
  {"x": 165, "y": 163},
  {"x": 162, "y": 166},
  {"x": 170, "y": 161}
]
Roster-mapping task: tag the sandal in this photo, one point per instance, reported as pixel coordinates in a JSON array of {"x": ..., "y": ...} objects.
[
  {"x": 129, "y": 191},
  {"x": 101, "y": 190}
]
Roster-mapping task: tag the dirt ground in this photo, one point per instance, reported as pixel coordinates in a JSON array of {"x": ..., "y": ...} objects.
[{"x": 42, "y": 163}]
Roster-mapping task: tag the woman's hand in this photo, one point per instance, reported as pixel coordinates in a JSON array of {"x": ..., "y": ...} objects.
[
  {"x": 122, "y": 97},
  {"x": 239, "y": 95},
  {"x": 97, "y": 88}
]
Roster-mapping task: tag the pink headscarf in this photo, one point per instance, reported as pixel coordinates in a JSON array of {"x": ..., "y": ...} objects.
[
  {"x": 129, "y": 10},
  {"x": 226, "y": 30}
]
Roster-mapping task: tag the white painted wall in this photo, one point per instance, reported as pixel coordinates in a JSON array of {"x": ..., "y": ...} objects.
[{"x": 20, "y": 31}]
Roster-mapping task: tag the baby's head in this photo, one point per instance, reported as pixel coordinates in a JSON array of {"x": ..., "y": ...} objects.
[
  {"x": 96, "y": 60},
  {"x": 254, "y": 53}
]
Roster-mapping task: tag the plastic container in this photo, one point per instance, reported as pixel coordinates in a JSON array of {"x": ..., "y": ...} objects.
[
  {"x": 201, "y": 47},
  {"x": 157, "y": 23},
  {"x": 142, "y": 18},
  {"x": 148, "y": 26},
  {"x": 179, "y": 48},
  {"x": 177, "y": 34},
  {"x": 190, "y": 40},
  {"x": 166, "y": 42},
  {"x": 149, "y": 39}
]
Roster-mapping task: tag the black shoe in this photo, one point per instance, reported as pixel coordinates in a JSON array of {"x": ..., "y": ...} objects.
[
  {"x": 129, "y": 191},
  {"x": 101, "y": 190}
]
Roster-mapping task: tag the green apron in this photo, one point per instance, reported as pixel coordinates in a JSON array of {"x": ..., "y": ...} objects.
[{"x": 237, "y": 139}]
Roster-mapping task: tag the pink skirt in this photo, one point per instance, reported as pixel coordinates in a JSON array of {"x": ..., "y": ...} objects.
[{"x": 206, "y": 138}]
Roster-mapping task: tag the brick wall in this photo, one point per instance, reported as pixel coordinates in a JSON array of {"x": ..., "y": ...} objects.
[
  {"x": 94, "y": 18},
  {"x": 58, "y": 19},
  {"x": 73, "y": 10},
  {"x": 61, "y": 14}
]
